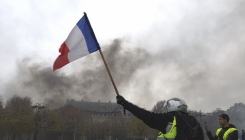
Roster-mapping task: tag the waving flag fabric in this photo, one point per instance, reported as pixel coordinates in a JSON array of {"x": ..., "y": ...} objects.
[{"x": 80, "y": 42}]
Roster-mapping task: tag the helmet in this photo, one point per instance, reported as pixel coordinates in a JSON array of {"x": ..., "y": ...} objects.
[{"x": 175, "y": 104}]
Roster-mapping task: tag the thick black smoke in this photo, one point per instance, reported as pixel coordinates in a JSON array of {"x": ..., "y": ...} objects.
[{"x": 90, "y": 83}]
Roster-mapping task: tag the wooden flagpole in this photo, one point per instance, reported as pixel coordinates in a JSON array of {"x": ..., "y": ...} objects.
[{"x": 114, "y": 85}]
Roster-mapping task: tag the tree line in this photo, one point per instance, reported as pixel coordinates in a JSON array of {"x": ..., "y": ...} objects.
[{"x": 21, "y": 120}]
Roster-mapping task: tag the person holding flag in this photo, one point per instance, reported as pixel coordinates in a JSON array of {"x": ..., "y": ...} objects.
[{"x": 174, "y": 123}]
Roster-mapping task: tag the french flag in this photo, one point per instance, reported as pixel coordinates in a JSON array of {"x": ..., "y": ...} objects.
[{"x": 80, "y": 42}]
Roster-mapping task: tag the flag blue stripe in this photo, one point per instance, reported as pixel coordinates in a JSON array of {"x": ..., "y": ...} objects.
[{"x": 91, "y": 41}]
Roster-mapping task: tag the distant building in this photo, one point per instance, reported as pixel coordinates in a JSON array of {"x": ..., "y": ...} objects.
[{"x": 100, "y": 110}]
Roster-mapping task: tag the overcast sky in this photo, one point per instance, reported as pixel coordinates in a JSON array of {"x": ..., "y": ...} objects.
[{"x": 155, "y": 50}]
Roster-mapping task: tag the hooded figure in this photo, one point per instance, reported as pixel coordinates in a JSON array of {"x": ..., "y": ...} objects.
[{"x": 174, "y": 123}]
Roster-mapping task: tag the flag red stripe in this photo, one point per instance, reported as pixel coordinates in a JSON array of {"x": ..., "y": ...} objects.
[
  {"x": 62, "y": 59},
  {"x": 64, "y": 49}
]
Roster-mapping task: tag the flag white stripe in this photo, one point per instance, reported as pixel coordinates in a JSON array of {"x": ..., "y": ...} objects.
[{"x": 76, "y": 44}]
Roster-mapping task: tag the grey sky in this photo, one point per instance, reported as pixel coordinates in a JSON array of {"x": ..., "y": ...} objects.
[{"x": 155, "y": 50}]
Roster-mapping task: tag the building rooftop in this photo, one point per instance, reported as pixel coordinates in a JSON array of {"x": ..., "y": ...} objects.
[{"x": 97, "y": 108}]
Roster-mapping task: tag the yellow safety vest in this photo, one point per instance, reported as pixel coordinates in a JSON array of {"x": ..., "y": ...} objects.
[
  {"x": 227, "y": 132},
  {"x": 171, "y": 134}
]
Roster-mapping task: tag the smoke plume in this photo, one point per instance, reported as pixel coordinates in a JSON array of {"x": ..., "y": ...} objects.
[{"x": 197, "y": 54}]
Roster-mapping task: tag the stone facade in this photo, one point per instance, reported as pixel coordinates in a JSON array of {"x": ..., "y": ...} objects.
[{"x": 100, "y": 111}]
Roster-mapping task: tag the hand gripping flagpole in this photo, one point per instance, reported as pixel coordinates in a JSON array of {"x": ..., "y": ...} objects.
[{"x": 114, "y": 85}]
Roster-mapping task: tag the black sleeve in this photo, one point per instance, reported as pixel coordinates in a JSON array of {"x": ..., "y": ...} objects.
[
  {"x": 157, "y": 121},
  {"x": 233, "y": 135},
  {"x": 210, "y": 136},
  {"x": 200, "y": 133}
]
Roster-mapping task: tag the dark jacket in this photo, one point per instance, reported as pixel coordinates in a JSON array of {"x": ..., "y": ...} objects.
[
  {"x": 232, "y": 136},
  {"x": 160, "y": 121}
]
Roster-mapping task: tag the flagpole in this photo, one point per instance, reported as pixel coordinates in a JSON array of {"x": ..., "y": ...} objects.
[{"x": 114, "y": 85}]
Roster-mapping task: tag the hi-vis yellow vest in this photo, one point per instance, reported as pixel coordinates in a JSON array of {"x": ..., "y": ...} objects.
[
  {"x": 171, "y": 134},
  {"x": 227, "y": 132}
]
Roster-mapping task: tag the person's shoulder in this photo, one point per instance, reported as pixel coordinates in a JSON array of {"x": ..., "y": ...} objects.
[
  {"x": 168, "y": 114},
  {"x": 165, "y": 116},
  {"x": 232, "y": 126},
  {"x": 185, "y": 115}
]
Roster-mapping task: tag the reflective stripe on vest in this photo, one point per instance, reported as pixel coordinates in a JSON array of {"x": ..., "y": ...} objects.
[
  {"x": 171, "y": 133},
  {"x": 227, "y": 132}
]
